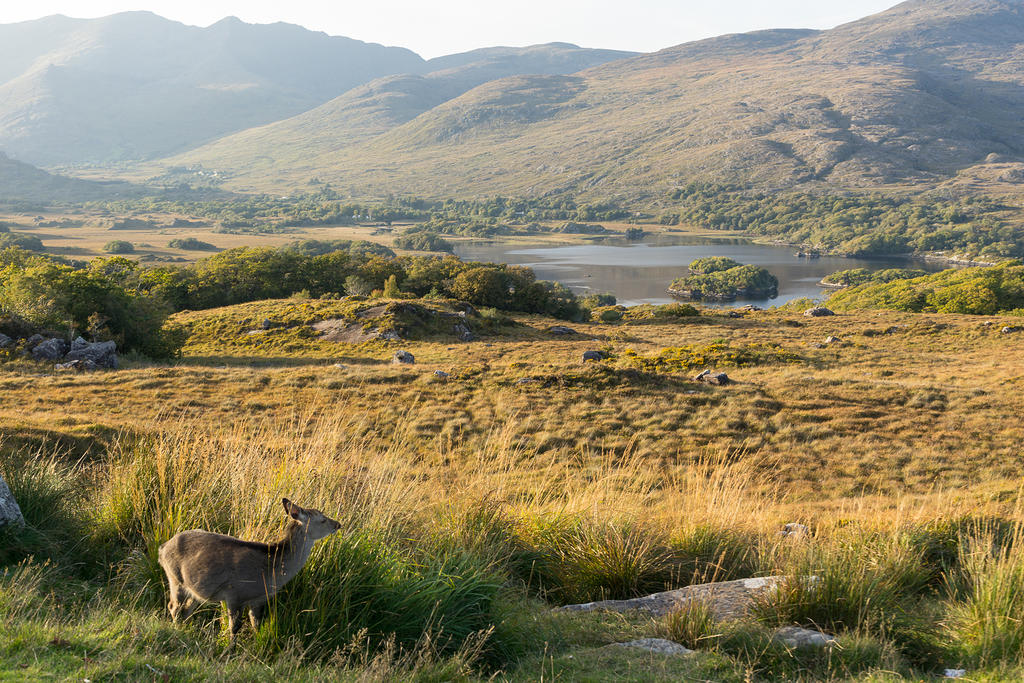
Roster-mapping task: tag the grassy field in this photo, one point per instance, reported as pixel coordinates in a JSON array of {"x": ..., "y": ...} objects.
[{"x": 471, "y": 504}]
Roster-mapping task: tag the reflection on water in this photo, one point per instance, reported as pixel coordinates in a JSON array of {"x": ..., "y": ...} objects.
[{"x": 640, "y": 272}]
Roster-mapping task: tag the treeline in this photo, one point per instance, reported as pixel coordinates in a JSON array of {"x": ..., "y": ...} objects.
[
  {"x": 981, "y": 291},
  {"x": 117, "y": 298},
  {"x": 863, "y": 276},
  {"x": 269, "y": 213},
  {"x": 858, "y": 225}
]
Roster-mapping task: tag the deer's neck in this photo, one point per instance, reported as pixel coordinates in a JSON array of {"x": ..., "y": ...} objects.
[{"x": 291, "y": 553}]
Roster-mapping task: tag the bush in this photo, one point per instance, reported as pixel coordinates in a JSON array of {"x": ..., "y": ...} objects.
[
  {"x": 17, "y": 240},
  {"x": 190, "y": 244},
  {"x": 119, "y": 247},
  {"x": 102, "y": 299}
]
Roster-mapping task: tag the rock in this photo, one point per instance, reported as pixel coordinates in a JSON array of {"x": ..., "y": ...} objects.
[
  {"x": 441, "y": 374},
  {"x": 10, "y": 513},
  {"x": 954, "y": 673},
  {"x": 51, "y": 349},
  {"x": 833, "y": 340},
  {"x": 5, "y": 341},
  {"x": 340, "y": 366},
  {"x": 33, "y": 340},
  {"x": 727, "y": 599},
  {"x": 794, "y": 529},
  {"x": 750, "y": 308},
  {"x": 735, "y": 314},
  {"x": 103, "y": 354},
  {"x": 1010, "y": 330},
  {"x": 716, "y": 378},
  {"x": 466, "y": 309},
  {"x": 463, "y": 332},
  {"x": 799, "y": 637},
  {"x": 266, "y": 324},
  {"x": 403, "y": 357},
  {"x": 657, "y": 645},
  {"x": 525, "y": 380},
  {"x": 561, "y": 330},
  {"x": 593, "y": 355},
  {"x": 818, "y": 312},
  {"x": 255, "y": 333}
]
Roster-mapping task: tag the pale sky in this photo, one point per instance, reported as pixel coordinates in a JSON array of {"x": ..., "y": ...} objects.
[{"x": 438, "y": 27}]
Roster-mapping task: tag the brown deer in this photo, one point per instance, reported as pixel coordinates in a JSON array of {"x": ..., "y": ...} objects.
[{"x": 205, "y": 567}]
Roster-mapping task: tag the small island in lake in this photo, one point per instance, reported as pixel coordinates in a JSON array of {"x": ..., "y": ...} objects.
[{"x": 719, "y": 278}]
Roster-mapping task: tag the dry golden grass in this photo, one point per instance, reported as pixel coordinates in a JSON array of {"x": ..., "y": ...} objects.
[{"x": 926, "y": 412}]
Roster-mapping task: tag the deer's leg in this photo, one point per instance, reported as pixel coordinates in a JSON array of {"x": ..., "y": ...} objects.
[
  {"x": 234, "y": 620},
  {"x": 256, "y": 615},
  {"x": 180, "y": 605}
]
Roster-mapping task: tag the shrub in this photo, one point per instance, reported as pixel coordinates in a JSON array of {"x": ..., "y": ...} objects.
[
  {"x": 190, "y": 244},
  {"x": 119, "y": 247}
]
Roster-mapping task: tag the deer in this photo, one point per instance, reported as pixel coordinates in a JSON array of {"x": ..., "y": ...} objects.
[{"x": 202, "y": 566}]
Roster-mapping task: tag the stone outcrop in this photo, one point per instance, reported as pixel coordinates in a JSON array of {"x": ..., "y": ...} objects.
[
  {"x": 49, "y": 349},
  {"x": 726, "y": 599},
  {"x": 403, "y": 357},
  {"x": 818, "y": 312},
  {"x": 93, "y": 354}
]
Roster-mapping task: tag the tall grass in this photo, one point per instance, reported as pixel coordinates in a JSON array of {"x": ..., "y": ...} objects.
[{"x": 986, "y": 615}]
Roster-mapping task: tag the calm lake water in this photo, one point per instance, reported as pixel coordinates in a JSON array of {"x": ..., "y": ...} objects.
[{"x": 640, "y": 272}]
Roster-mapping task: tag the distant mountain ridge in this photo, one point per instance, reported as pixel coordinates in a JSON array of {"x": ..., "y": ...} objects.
[
  {"x": 928, "y": 93},
  {"x": 135, "y": 86}
]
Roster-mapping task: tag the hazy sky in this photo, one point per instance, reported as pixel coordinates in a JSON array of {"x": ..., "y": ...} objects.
[{"x": 437, "y": 27}]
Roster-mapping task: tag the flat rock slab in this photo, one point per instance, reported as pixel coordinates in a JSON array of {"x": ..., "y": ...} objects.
[
  {"x": 727, "y": 599},
  {"x": 657, "y": 645}
]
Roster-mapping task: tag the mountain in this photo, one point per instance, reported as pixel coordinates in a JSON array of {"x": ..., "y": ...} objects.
[
  {"x": 927, "y": 93},
  {"x": 22, "y": 182},
  {"x": 135, "y": 85},
  {"x": 311, "y": 139}
]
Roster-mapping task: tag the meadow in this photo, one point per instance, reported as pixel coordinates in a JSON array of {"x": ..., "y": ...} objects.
[{"x": 474, "y": 503}]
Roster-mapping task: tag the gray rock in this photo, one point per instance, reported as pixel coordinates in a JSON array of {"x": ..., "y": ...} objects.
[
  {"x": 795, "y": 530},
  {"x": 5, "y": 341},
  {"x": 403, "y": 357},
  {"x": 441, "y": 374},
  {"x": 10, "y": 513},
  {"x": 735, "y": 314},
  {"x": 1010, "y": 330},
  {"x": 51, "y": 349},
  {"x": 463, "y": 332},
  {"x": 525, "y": 380},
  {"x": 560, "y": 330},
  {"x": 593, "y": 355},
  {"x": 716, "y": 378},
  {"x": 657, "y": 645},
  {"x": 799, "y": 637},
  {"x": 33, "y": 340},
  {"x": 818, "y": 312},
  {"x": 833, "y": 340},
  {"x": 266, "y": 324},
  {"x": 103, "y": 354}
]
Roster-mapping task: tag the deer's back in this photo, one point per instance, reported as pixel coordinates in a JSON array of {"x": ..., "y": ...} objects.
[{"x": 217, "y": 567}]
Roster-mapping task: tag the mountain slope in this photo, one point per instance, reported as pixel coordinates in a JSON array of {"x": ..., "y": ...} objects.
[
  {"x": 134, "y": 85},
  {"x": 21, "y": 182},
  {"x": 311, "y": 139},
  {"x": 926, "y": 92}
]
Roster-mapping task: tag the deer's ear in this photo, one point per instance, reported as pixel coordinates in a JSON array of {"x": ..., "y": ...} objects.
[{"x": 294, "y": 511}]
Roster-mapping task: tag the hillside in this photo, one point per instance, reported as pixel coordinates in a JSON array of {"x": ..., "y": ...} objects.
[
  {"x": 927, "y": 93},
  {"x": 135, "y": 85},
  {"x": 312, "y": 139},
  {"x": 22, "y": 182}
]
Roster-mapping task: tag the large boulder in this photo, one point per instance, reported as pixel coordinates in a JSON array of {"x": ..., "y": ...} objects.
[
  {"x": 10, "y": 513},
  {"x": 5, "y": 341},
  {"x": 49, "y": 349},
  {"x": 101, "y": 354},
  {"x": 818, "y": 312},
  {"x": 593, "y": 356}
]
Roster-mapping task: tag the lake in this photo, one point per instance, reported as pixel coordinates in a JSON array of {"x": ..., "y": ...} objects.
[{"x": 640, "y": 272}]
